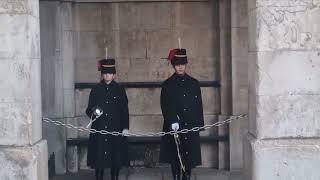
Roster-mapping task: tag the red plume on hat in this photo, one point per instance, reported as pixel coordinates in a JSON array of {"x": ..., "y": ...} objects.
[
  {"x": 99, "y": 65},
  {"x": 177, "y": 56},
  {"x": 171, "y": 55}
]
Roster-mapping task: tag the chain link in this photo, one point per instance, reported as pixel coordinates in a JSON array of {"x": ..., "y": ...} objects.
[{"x": 148, "y": 134}]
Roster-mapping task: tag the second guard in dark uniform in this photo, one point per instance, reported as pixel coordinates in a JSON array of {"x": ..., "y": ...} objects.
[
  {"x": 109, "y": 100},
  {"x": 181, "y": 105}
]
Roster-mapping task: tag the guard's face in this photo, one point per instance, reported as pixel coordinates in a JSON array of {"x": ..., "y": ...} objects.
[
  {"x": 108, "y": 77},
  {"x": 180, "y": 69}
]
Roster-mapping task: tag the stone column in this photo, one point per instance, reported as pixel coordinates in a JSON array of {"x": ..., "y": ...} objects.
[
  {"x": 239, "y": 52},
  {"x": 225, "y": 79},
  {"x": 283, "y": 141},
  {"x": 57, "y": 75},
  {"x": 23, "y": 155}
]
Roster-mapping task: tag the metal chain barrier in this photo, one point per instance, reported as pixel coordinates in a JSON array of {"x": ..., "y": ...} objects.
[{"x": 149, "y": 134}]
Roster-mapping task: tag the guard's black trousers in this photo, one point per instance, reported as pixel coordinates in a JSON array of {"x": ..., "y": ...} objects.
[
  {"x": 114, "y": 174},
  {"x": 176, "y": 171}
]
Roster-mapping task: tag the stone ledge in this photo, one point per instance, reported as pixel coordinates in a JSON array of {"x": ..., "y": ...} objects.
[
  {"x": 278, "y": 159},
  {"x": 163, "y": 173},
  {"x": 27, "y": 162}
]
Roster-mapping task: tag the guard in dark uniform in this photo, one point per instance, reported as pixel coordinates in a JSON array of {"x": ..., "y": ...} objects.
[
  {"x": 109, "y": 100},
  {"x": 181, "y": 105}
]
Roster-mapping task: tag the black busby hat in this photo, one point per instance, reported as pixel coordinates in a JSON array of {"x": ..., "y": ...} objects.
[
  {"x": 178, "y": 56},
  {"x": 107, "y": 66}
]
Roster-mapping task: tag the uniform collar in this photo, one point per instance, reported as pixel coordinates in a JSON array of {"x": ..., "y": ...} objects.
[
  {"x": 107, "y": 85},
  {"x": 180, "y": 77}
]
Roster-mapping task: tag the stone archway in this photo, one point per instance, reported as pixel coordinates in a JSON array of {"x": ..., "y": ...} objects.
[{"x": 23, "y": 153}]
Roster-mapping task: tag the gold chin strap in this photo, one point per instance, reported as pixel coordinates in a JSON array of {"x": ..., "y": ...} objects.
[
  {"x": 180, "y": 55},
  {"x": 108, "y": 65}
]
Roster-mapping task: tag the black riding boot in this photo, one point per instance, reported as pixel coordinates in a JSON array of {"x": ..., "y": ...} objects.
[
  {"x": 176, "y": 176},
  {"x": 186, "y": 175},
  {"x": 115, "y": 173},
  {"x": 175, "y": 168},
  {"x": 99, "y": 174}
]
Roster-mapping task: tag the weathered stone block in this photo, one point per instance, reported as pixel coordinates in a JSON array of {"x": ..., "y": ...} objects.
[
  {"x": 292, "y": 159},
  {"x": 155, "y": 15},
  {"x": 26, "y": 163},
  {"x": 209, "y": 154},
  {"x": 82, "y": 152},
  {"x": 51, "y": 87},
  {"x": 73, "y": 159},
  {"x": 237, "y": 129},
  {"x": 90, "y": 46},
  {"x": 74, "y": 133},
  {"x": 289, "y": 25},
  {"x": 88, "y": 16},
  {"x": 86, "y": 70},
  {"x": 49, "y": 26},
  {"x": 225, "y": 13},
  {"x": 133, "y": 44},
  {"x": 169, "y": 176},
  {"x": 240, "y": 98},
  {"x": 25, "y": 7},
  {"x": 81, "y": 121},
  {"x": 144, "y": 101},
  {"x": 239, "y": 42},
  {"x": 277, "y": 94},
  {"x": 223, "y": 147},
  {"x": 149, "y": 70},
  {"x": 143, "y": 15},
  {"x": 226, "y": 99},
  {"x": 140, "y": 174},
  {"x": 200, "y": 43},
  {"x": 203, "y": 69},
  {"x": 129, "y": 15},
  {"x": 23, "y": 29},
  {"x": 146, "y": 123},
  {"x": 239, "y": 73},
  {"x": 208, "y": 173},
  {"x": 160, "y": 41},
  {"x": 225, "y": 43},
  {"x": 197, "y": 14},
  {"x": 20, "y": 102},
  {"x": 56, "y": 140},
  {"x": 302, "y": 72},
  {"x": 24, "y": 71},
  {"x": 67, "y": 11},
  {"x": 68, "y": 103},
  {"x": 81, "y": 101},
  {"x": 239, "y": 16},
  {"x": 288, "y": 116},
  {"x": 210, "y": 119}
]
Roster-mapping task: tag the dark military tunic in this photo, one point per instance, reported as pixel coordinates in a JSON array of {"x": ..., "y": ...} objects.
[
  {"x": 181, "y": 102},
  {"x": 106, "y": 151}
]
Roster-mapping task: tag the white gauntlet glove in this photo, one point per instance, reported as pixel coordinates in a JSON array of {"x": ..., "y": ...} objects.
[
  {"x": 98, "y": 112},
  {"x": 125, "y": 132},
  {"x": 175, "y": 126}
]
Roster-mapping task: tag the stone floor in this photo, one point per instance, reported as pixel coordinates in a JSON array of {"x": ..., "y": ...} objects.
[{"x": 155, "y": 174}]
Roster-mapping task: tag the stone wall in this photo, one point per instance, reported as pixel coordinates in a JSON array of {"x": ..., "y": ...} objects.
[
  {"x": 283, "y": 139},
  {"x": 139, "y": 35}
]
